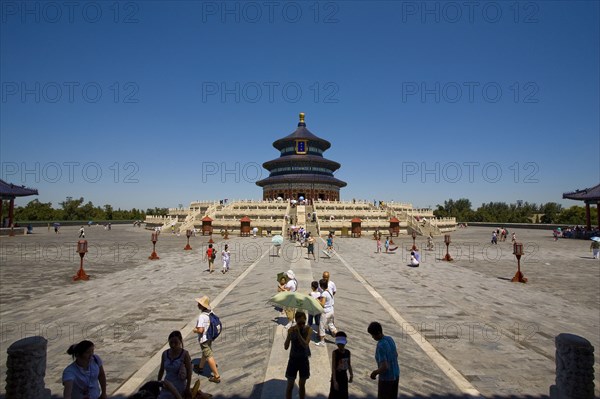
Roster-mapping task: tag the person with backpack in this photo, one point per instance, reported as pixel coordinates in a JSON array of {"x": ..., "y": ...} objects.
[
  {"x": 327, "y": 302},
  {"x": 208, "y": 329},
  {"x": 211, "y": 255}
]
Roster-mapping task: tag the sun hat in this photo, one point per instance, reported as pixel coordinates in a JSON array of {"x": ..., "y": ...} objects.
[
  {"x": 204, "y": 302},
  {"x": 290, "y": 274}
]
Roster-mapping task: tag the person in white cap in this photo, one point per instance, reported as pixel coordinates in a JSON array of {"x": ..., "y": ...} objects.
[
  {"x": 291, "y": 286},
  {"x": 206, "y": 344}
]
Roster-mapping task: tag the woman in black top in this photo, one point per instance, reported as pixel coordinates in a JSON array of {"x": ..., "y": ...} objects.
[{"x": 299, "y": 337}]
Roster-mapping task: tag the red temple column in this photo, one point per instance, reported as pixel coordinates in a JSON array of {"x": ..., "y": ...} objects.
[
  {"x": 588, "y": 221},
  {"x": 11, "y": 210}
]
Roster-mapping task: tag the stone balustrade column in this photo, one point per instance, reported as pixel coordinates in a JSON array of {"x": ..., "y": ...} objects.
[
  {"x": 574, "y": 368},
  {"x": 26, "y": 368}
]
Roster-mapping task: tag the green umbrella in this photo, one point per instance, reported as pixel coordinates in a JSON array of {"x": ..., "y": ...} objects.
[{"x": 298, "y": 301}]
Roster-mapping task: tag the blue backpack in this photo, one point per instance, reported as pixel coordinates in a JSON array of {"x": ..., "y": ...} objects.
[{"x": 215, "y": 327}]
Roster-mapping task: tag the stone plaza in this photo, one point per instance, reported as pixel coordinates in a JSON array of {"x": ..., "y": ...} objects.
[{"x": 462, "y": 327}]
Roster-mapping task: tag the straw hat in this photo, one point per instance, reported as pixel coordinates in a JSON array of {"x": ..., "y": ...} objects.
[
  {"x": 290, "y": 274},
  {"x": 204, "y": 302}
]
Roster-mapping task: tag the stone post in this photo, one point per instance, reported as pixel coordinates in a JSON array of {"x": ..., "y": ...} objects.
[
  {"x": 26, "y": 368},
  {"x": 574, "y": 368}
]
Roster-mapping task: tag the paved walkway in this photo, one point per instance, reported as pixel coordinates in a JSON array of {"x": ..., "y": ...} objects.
[{"x": 461, "y": 327}]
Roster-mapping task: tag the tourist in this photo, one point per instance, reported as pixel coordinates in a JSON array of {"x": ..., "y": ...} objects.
[
  {"x": 327, "y": 318},
  {"x": 388, "y": 368},
  {"x": 211, "y": 255},
  {"x": 81, "y": 232},
  {"x": 514, "y": 238},
  {"x": 330, "y": 284},
  {"x": 152, "y": 390},
  {"x": 330, "y": 244},
  {"x": 387, "y": 244},
  {"x": 341, "y": 366},
  {"x": 291, "y": 285},
  {"x": 494, "y": 237},
  {"x": 430, "y": 245},
  {"x": 85, "y": 377},
  {"x": 595, "y": 248},
  {"x": 315, "y": 293},
  {"x": 225, "y": 255},
  {"x": 414, "y": 259},
  {"x": 206, "y": 344},
  {"x": 311, "y": 246},
  {"x": 299, "y": 337},
  {"x": 177, "y": 364},
  {"x": 378, "y": 244}
]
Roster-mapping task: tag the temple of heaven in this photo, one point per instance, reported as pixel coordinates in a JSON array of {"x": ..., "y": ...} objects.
[{"x": 301, "y": 170}]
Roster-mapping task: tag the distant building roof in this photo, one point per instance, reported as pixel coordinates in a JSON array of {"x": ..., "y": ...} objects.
[
  {"x": 588, "y": 194},
  {"x": 10, "y": 191}
]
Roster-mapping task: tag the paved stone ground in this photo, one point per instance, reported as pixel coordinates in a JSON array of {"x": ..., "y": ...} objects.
[{"x": 497, "y": 335}]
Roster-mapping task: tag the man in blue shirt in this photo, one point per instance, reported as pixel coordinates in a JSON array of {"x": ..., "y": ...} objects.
[{"x": 388, "y": 369}]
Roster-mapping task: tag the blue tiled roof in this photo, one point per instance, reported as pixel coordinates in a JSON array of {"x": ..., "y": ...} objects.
[{"x": 9, "y": 190}]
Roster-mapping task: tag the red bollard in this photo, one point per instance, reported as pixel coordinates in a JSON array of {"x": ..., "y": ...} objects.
[
  {"x": 518, "y": 252},
  {"x": 447, "y": 258},
  {"x": 154, "y": 256},
  {"x": 82, "y": 249},
  {"x": 188, "y": 234}
]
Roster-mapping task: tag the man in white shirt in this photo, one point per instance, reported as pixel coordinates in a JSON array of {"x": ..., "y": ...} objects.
[
  {"x": 330, "y": 284},
  {"x": 291, "y": 286}
]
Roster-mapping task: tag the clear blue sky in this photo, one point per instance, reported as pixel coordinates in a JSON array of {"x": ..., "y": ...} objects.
[{"x": 137, "y": 103}]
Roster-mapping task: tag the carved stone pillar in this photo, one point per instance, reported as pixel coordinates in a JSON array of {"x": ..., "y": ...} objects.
[
  {"x": 574, "y": 368},
  {"x": 26, "y": 368}
]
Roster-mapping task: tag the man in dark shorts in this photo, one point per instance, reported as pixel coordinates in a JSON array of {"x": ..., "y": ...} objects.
[{"x": 299, "y": 338}]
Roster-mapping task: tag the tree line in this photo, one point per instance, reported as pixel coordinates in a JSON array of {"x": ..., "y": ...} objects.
[
  {"x": 501, "y": 212},
  {"x": 76, "y": 209}
]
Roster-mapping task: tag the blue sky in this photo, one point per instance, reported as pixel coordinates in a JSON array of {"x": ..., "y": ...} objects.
[{"x": 143, "y": 104}]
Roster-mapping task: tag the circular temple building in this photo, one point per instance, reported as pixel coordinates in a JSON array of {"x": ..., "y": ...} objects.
[{"x": 301, "y": 170}]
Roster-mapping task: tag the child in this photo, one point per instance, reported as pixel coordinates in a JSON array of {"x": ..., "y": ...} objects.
[
  {"x": 340, "y": 368},
  {"x": 225, "y": 255},
  {"x": 378, "y": 244},
  {"x": 315, "y": 293},
  {"x": 387, "y": 244}
]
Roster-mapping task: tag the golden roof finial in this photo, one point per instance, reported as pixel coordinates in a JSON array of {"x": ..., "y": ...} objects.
[{"x": 301, "y": 117}]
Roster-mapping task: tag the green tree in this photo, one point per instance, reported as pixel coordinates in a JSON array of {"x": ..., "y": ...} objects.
[{"x": 551, "y": 211}]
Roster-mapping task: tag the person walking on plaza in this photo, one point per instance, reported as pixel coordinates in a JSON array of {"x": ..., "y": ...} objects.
[
  {"x": 315, "y": 293},
  {"x": 388, "y": 369},
  {"x": 330, "y": 284},
  {"x": 177, "y": 364},
  {"x": 211, "y": 255},
  {"x": 327, "y": 317},
  {"x": 298, "y": 337},
  {"x": 378, "y": 244},
  {"x": 205, "y": 344},
  {"x": 387, "y": 244},
  {"x": 85, "y": 377},
  {"x": 291, "y": 285},
  {"x": 330, "y": 244},
  {"x": 226, "y": 256},
  {"x": 595, "y": 248},
  {"x": 341, "y": 366},
  {"x": 514, "y": 238},
  {"x": 81, "y": 232},
  {"x": 311, "y": 246}
]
